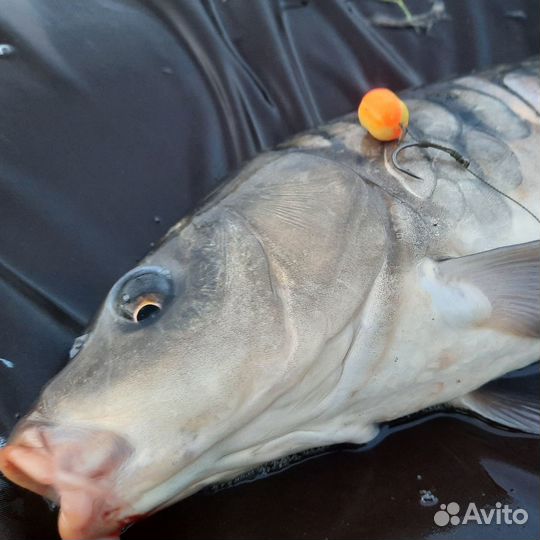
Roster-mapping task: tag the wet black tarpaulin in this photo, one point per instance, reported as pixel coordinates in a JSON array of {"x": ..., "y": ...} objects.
[{"x": 118, "y": 116}]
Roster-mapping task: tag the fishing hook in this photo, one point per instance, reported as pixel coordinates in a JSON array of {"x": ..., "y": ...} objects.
[
  {"x": 464, "y": 162},
  {"x": 427, "y": 144}
]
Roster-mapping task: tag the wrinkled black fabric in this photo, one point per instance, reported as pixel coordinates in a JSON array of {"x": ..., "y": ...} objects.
[{"x": 118, "y": 116}]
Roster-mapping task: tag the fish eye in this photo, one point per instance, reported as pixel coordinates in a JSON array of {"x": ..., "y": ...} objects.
[{"x": 142, "y": 294}]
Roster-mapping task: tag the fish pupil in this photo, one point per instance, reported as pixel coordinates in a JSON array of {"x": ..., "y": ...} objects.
[{"x": 146, "y": 311}]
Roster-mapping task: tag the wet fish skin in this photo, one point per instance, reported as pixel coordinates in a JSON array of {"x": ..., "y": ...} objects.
[{"x": 302, "y": 306}]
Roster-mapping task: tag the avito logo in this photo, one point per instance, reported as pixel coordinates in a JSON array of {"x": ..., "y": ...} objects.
[{"x": 500, "y": 515}]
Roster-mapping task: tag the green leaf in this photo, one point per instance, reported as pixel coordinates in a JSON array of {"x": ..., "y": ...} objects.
[{"x": 401, "y": 4}]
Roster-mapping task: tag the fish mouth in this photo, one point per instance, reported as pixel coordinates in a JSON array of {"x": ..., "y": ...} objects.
[{"x": 77, "y": 468}]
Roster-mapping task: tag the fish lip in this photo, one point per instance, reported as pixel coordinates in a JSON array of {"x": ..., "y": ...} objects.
[
  {"x": 23, "y": 436},
  {"x": 22, "y": 433},
  {"x": 30, "y": 460},
  {"x": 104, "y": 524},
  {"x": 20, "y": 478}
]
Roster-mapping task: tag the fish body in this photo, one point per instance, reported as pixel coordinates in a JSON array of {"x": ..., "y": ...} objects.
[{"x": 320, "y": 293}]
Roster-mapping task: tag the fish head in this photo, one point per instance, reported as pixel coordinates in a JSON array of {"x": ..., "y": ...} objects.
[
  {"x": 188, "y": 347},
  {"x": 220, "y": 351}
]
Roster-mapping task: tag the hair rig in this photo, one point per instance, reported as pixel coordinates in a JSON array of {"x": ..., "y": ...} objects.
[{"x": 426, "y": 144}]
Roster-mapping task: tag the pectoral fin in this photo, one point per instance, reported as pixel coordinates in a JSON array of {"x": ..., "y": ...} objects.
[
  {"x": 507, "y": 277},
  {"x": 512, "y": 402}
]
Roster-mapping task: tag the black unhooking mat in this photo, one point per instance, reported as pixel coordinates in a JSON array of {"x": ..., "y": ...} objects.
[{"x": 117, "y": 117}]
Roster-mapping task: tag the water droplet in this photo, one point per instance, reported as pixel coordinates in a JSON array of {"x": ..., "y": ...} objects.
[
  {"x": 152, "y": 244},
  {"x": 157, "y": 219},
  {"x": 427, "y": 498},
  {"x": 517, "y": 14},
  {"x": 419, "y": 477},
  {"x": 167, "y": 70},
  {"x": 7, "y": 363},
  {"x": 52, "y": 505},
  {"x": 6, "y": 49},
  {"x": 125, "y": 297}
]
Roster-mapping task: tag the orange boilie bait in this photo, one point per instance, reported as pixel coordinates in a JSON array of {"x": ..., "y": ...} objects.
[{"x": 383, "y": 114}]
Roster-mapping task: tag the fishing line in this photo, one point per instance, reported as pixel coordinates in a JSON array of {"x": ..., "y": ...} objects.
[{"x": 464, "y": 162}]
